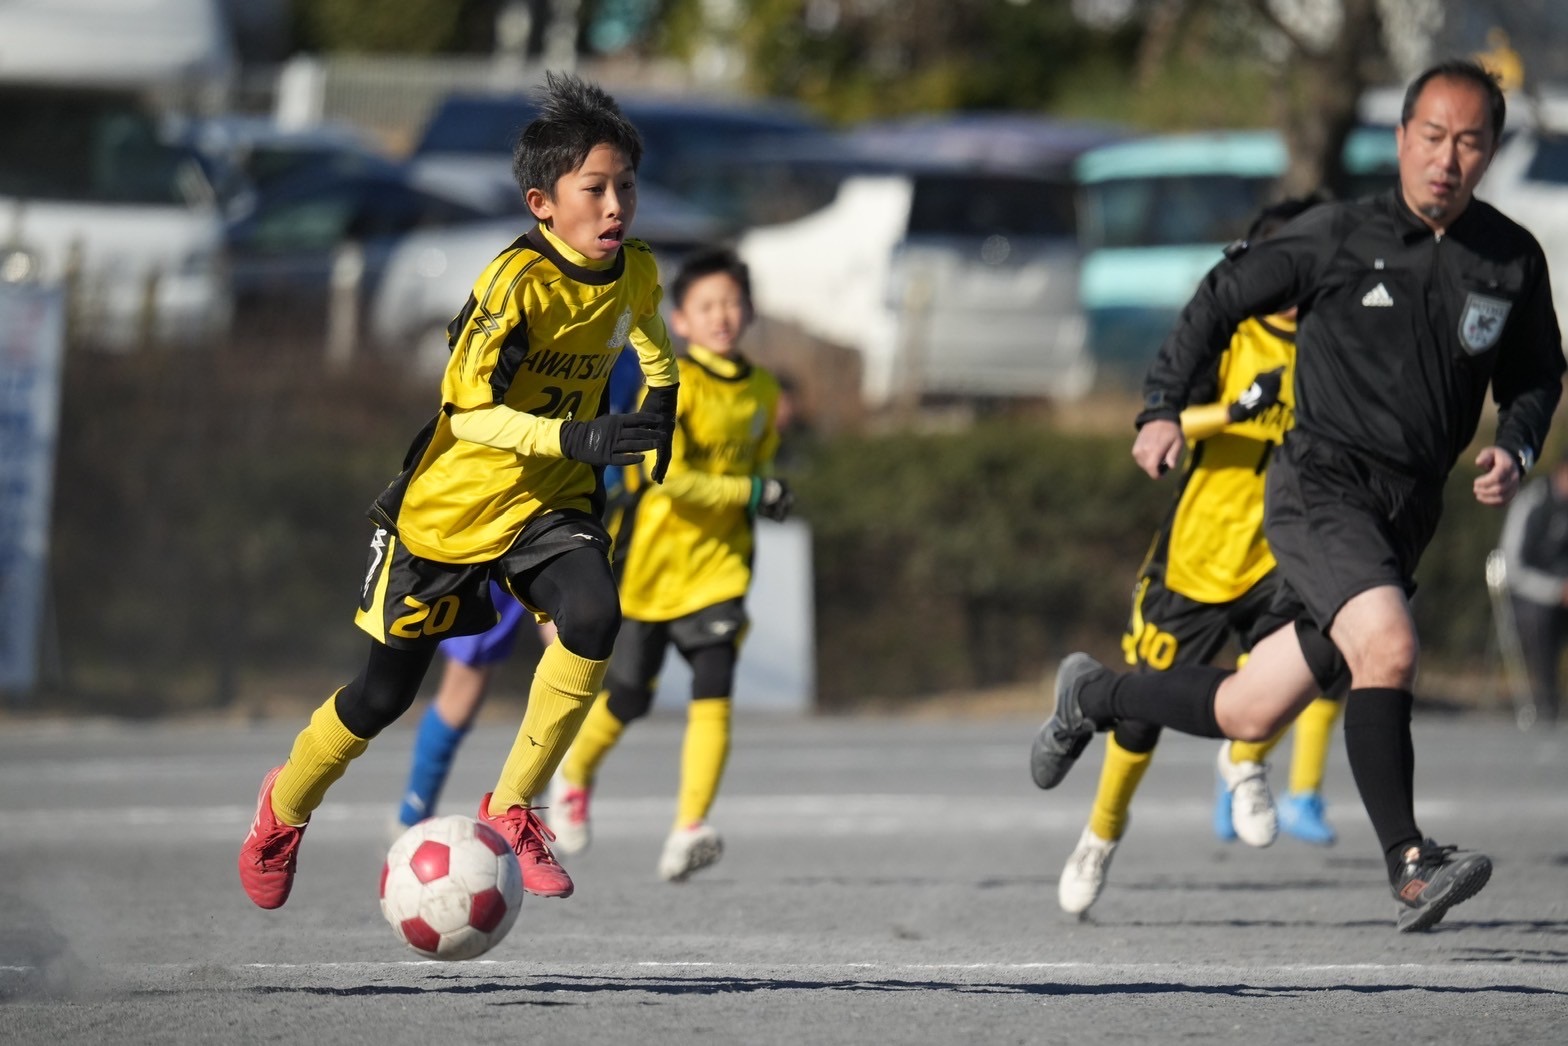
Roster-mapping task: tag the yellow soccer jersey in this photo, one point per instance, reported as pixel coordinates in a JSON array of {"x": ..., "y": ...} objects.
[
  {"x": 540, "y": 333},
  {"x": 1215, "y": 549},
  {"x": 688, "y": 543}
]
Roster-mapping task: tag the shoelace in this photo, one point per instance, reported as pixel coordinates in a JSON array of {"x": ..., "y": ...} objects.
[
  {"x": 1434, "y": 856},
  {"x": 1073, "y": 736},
  {"x": 278, "y": 850},
  {"x": 1092, "y": 860},
  {"x": 533, "y": 835},
  {"x": 1254, "y": 793}
]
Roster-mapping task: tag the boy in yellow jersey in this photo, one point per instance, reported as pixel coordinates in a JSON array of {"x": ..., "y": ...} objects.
[
  {"x": 687, "y": 562},
  {"x": 504, "y": 484},
  {"x": 1208, "y": 577}
]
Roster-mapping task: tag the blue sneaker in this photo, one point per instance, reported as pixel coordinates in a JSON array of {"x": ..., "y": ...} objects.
[
  {"x": 1224, "y": 826},
  {"x": 1301, "y": 815}
]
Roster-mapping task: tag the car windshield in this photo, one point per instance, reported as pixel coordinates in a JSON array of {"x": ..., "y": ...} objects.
[
  {"x": 1171, "y": 212},
  {"x": 475, "y": 125},
  {"x": 89, "y": 148},
  {"x": 985, "y": 205},
  {"x": 1550, "y": 162}
]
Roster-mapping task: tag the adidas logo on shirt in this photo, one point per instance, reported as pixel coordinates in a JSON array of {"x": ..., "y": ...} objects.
[{"x": 1378, "y": 298}]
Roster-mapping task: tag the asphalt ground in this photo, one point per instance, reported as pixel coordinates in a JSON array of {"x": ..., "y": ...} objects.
[{"x": 886, "y": 881}]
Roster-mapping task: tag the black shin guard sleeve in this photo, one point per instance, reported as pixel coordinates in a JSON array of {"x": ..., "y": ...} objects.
[
  {"x": 1180, "y": 698},
  {"x": 1136, "y": 736},
  {"x": 1383, "y": 762}
]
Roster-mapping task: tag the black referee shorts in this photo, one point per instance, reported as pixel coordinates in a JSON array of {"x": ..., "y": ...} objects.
[{"x": 1339, "y": 525}]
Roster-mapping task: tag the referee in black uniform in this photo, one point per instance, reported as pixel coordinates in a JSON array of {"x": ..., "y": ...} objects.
[{"x": 1412, "y": 304}]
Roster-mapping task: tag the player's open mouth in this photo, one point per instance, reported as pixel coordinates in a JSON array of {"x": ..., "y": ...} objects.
[{"x": 613, "y": 237}]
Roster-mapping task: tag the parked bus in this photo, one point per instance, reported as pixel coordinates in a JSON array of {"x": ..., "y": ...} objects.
[{"x": 1157, "y": 212}]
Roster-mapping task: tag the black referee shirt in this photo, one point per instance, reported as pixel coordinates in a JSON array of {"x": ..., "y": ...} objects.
[{"x": 1400, "y": 331}]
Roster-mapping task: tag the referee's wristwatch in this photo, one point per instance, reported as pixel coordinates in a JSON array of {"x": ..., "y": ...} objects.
[{"x": 1525, "y": 457}]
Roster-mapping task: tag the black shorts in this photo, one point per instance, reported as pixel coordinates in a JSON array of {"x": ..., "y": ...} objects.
[
  {"x": 407, "y": 601},
  {"x": 1339, "y": 525},
  {"x": 639, "y": 648},
  {"x": 1167, "y": 629}
]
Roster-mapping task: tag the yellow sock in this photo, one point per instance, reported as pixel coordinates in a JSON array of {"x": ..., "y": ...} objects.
[
  {"x": 562, "y": 692},
  {"x": 1314, "y": 731},
  {"x": 599, "y": 733},
  {"x": 1120, "y": 776},
  {"x": 703, "y": 755},
  {"x": 322, "y": 751},
  {"x": 1255, "y": 751}
]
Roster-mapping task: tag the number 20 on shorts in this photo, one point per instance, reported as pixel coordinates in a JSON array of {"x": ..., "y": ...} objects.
[{"x": 427, "y": 619}]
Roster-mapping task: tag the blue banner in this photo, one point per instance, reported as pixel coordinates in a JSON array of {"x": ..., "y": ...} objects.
[{"x": 32, "y": 340}]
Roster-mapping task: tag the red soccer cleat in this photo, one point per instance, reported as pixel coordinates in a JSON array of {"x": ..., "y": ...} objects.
[
  {"x": 543, "y": 875},
  {"x": 270, "y": 853}
]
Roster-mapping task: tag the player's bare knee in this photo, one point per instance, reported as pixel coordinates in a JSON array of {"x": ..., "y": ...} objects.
[
  {"x": 1391, "y": 663},
  {"x": 1252, "y": 727}
]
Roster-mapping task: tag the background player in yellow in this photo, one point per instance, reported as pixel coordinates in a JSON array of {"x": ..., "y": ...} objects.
[
  {"x": 1207, "y": 579},
  {"x": 505, "y": 484},
  {"x": 687, "y": 562}
]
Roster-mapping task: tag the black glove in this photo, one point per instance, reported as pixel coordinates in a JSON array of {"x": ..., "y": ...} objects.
[
  {"x": 661, "y": 402},
  {"x": 771, "y": 497},
  {"x": 1262, "y": 394},
  {"x": 612, "y": 439}
]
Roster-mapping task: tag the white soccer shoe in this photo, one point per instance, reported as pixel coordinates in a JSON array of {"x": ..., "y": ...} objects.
[
  {"x": 689, "y": 850},
  {"x": 1083, "y": 877},
  {"x": 568, "y": 815},
  {"x": 1251, "y": 802}
]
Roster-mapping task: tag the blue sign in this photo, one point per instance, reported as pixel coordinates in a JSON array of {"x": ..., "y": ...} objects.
[{"x": 32, "y": 341}]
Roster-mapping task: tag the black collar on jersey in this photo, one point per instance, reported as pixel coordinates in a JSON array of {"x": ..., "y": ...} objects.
[
  {"x": 1412, "y": 228},
  {"x": 1283, "y": 335},
  {"x": 593, "y": 277}
]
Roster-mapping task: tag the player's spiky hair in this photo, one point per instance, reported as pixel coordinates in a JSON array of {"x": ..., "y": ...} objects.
[{"x": 574, "y": 116}]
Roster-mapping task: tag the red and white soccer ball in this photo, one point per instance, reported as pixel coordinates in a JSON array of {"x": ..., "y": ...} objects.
[{"x": 451, "y": 887}]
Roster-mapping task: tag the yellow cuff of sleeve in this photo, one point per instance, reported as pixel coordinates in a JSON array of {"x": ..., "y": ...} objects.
[{"x": 502, "y": 427}]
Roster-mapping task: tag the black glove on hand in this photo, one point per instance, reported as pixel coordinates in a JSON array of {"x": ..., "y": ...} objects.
[
  {"x": 613, "y": 439},
  {"x": 661, "y": 401},
  {"x": 771, "y": 497},
  {"x": 1262, "y": 394}
]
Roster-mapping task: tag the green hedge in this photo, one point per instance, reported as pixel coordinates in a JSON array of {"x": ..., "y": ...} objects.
[
  {"x": 209, "y": 539},
  {"x": 959, "y": 561}
]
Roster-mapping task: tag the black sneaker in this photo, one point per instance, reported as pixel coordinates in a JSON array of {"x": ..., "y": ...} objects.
[
  {"x": 1432, "y": 880},
  {"x": 1063, "y": 737}
]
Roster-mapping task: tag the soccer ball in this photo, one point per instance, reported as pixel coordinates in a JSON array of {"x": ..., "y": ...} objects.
[{"x": 451, "y": 887}]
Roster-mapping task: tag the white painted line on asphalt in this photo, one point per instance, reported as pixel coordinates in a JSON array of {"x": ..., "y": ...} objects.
[
  {"x": 742, "y": 816},
  {"x": 1477, "y": 976}
]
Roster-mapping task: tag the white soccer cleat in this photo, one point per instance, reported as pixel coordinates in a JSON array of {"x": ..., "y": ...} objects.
[
  {"x": 689, "y": 850},
  {"x": 568, "y": 815},
  {"x": 1251, "y": 802},
  {"x": 1083, "y": 877}
]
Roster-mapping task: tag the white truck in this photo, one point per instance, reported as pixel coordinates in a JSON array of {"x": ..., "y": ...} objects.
[{"x": 90, "y": 194}]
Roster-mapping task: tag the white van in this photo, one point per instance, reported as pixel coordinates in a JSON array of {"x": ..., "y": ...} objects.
[
  {"x": 89, "y": 191},
  {"x": 948, "y": 259}
]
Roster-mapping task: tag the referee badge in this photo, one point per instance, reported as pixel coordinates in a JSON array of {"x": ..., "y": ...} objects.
[{"x": 1482, "y": 322}]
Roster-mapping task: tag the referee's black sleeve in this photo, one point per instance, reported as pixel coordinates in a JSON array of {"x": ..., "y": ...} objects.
[
  {"x": 1528, "y": 382},
  {"x": 1266, "y": 278}
]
